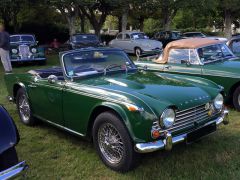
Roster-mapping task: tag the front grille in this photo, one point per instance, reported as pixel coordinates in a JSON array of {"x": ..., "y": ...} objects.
[
  {"x": 24, "y": 51},
  {"x": 188, "y": 117}
]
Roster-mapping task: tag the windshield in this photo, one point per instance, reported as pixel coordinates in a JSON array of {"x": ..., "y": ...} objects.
[
  {"x": 85, "y": 63},
  {"x": 194, "y": 35},
  {"x": 25, "y": 38},
  {"x": 214, "y": 52},
  {"x": 139, "y": 36},
  {"x": 78, "y": 38}
]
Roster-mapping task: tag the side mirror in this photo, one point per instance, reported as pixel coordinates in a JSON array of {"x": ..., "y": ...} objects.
[
  {"x": 52, "y": 79},
  {"x": 185, "y": 62}
]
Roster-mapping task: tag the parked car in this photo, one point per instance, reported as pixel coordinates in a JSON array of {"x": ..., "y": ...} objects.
[
  {"x": 207, "y": 58},
  {"x": 201, "y": 35},
  {"x": 135, "y": 42},
  {"x": 77, "y": 41},
  {"x": 10, "y": 167},
  {"x": 234, "y": 45},
  {"x": 24, "y": 48},
  {"x": 99, "y": 93},
  {"x": 166, "y": 37}
]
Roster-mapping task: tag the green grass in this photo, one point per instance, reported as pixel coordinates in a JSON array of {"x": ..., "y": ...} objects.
[{"x": 54, "y": 154}]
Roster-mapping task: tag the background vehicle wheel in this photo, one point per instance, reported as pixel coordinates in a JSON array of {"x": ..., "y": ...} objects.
[
  {"x": 24, "y": 109},
  {"x": 138, "y": 51},
  {"x": 113, "y": 143},
  {"x": 8, "y": 159},
  {"x": 236, "y": 99}
]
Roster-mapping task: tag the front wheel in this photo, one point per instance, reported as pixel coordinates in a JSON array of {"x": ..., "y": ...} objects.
[
  {"x": 236, "y": 99},
  {"x": 113, "y": 143},
  {"x": 8, "y": 159},
  {"x": 24, "y": 109}
]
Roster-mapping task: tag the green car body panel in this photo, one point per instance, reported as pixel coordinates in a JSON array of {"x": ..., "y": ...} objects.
[{"x": 73, "y": 105}]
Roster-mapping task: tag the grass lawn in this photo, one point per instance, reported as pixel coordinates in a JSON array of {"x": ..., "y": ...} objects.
[{"x": 54, "y": 154}]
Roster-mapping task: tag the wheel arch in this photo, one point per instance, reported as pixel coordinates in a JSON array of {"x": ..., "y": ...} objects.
[
  {"x": 104, "y": 107},
  {"x": 16, "y": 87},
  {"x": 232, "y": 89}
]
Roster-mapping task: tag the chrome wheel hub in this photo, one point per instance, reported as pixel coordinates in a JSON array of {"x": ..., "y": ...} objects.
[
  {"x": 24, "y": 108},
  {"x": 110, "y": 143}
]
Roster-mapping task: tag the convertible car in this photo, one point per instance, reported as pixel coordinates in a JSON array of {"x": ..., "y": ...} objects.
[
  {"x": 24, "y": 48},
  {"x": 206, "y": 58},
  {"x": 10, "y": 167},
  {"x": 99, "y": 93}
]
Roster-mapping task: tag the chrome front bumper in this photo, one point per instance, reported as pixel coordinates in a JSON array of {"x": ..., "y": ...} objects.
[
  {"x": 14, "y": 171},
  {"x": 169, "y": 141}
]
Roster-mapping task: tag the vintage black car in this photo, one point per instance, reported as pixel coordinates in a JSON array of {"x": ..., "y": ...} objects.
[
  {"x": 77, "y": 41},
  {"x": 24, "y": 48},
  {"x": 167, "y": 36},
  {"x": 10, "y": 167}
]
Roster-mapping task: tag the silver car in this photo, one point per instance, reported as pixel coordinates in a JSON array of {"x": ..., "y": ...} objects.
[{"x": 135, "y": 42}]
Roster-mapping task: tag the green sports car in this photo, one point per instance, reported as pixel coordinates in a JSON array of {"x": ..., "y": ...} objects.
[
  {"x": 201, "y": 57},
  {"x": 99, "y": 93}
]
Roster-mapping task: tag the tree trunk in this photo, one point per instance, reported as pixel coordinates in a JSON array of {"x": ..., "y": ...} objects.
[
  {"x": 228, "y": 24},
  {"x": 71, "y": 25},
  {"x": 120, "y": 23},
  {"x": 82, "y": 23},
  {"x": 124, "y": 19},
  {"x": 141, "y": 23}
]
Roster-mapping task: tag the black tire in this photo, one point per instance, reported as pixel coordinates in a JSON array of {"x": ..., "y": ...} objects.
[
  {"x": 8, "y": 159},
  {"x": 129, "y": 157},
  {"x": 137, "y": 51},
  {"x": 29, "y": 120},
  {"x": 236, "y": 98}
]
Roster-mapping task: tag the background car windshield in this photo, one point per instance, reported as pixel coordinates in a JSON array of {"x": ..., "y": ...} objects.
[
  {"x": 139, "y": 36},
  {"x": 84, "y": 38},
  {"x": 214, "y": 52},
  {"x": 85, "y": 63},
  {"x": 194, "y": 35},
  {"x": 22, "y": 38}
]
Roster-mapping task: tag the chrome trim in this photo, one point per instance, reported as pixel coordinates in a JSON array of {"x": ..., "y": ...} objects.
[
  {"x": 169, "y": 141},
  {"x": 14, "y": 171}
]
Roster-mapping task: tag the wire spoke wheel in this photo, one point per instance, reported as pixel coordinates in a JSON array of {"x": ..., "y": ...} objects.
[
  {"x": 110, "y": 143},
  {"x": 24, "y": 108}
]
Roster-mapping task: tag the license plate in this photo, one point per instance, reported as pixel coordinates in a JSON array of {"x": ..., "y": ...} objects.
[{"x": 197, "y": 134}]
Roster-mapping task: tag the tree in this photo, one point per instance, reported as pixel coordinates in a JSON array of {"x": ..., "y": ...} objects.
[{"x": 96, "y": 11}]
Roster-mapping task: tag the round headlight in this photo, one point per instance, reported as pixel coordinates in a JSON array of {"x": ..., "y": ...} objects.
[
  {"x": 34, "y": 50},
  {"x": 218, "y": 102},
  {"x": 167, "y": 118},
  {"x": 14, "y": 51}
]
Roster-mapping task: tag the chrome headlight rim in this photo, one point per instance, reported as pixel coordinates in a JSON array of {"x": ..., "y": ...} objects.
[
  {"x": 218, "y": 102},
  {"x": 14, "y": 51},
  {"x": 34, "y": 50},
  {"x": 167, "y": 119}
]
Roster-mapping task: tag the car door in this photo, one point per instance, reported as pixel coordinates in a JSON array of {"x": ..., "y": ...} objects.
[
  {"x": 46, "y": 99},
  {"x": 128, "y": 43},
  {"x": 183, "y": 61},
  {"x": 119, "y": 41}
]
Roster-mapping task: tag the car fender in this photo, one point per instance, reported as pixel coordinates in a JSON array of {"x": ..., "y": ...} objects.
[{"x": 9, "y": 135}]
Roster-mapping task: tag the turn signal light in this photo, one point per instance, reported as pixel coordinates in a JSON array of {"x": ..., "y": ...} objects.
[{"x": 155, "y": 134}]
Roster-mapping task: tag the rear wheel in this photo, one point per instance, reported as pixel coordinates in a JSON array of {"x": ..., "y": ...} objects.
[
  {"x": 236, "y": 99},
  {"x": 113, "y": 143},
  {"x": 24, "y": 109},
  {"x": 8, "y": 159},
  {"x": 138, "y": 51}
]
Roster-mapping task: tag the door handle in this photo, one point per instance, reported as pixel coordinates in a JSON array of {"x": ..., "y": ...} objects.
[
  {"x": 167, "y": 67},
  {"x": 32, "y": 86}
]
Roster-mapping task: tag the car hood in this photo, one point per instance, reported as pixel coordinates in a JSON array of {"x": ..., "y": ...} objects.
[
  {"x": 22, "y": 43},
  {"x": 228, "y": 68},
  {"x": 154, "y": 89},
  {"x": 86, "y": 43}
]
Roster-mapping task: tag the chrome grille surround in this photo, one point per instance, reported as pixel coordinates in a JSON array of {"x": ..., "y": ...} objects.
[
  {"x": 186, "y": 118},
  {"x": 24, "y": 51}
]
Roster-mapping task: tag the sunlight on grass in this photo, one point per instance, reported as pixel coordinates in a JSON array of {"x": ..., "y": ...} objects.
[{"x": 54, "y": 154}]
